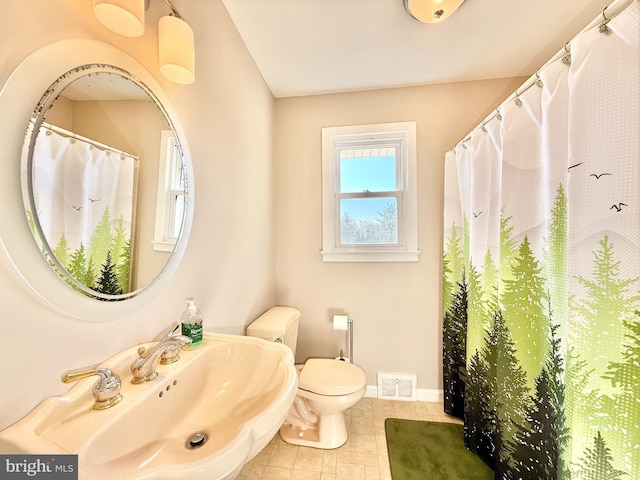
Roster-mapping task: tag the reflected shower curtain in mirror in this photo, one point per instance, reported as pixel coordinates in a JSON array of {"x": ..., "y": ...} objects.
[
  {"x": 541, "y": 287},
  {"x": 85, "y": 206}
]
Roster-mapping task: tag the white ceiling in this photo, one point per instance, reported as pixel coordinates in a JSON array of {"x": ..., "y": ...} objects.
[{"x": 305, "y": 47}]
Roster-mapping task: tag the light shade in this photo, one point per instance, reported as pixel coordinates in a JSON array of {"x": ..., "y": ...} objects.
[
  {"x": 176, "y": 49},
  {"x": 431, "y": 11},
  {"x": 125, "y": 17}
]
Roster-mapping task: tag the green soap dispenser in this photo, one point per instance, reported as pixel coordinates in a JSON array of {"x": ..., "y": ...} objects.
[{"x": 191, "y": 320}]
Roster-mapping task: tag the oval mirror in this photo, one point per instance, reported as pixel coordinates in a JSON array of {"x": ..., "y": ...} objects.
[{"x": 105, "y": 180}]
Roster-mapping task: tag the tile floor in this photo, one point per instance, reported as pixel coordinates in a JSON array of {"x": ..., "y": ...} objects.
[{"x": 363, "y": 457}]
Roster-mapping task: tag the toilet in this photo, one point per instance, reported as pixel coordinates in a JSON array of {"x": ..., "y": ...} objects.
[{"x": 326, "y": 386}]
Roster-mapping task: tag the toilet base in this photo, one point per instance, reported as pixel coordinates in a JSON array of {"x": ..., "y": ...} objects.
[{"x": 331, "y": 432}]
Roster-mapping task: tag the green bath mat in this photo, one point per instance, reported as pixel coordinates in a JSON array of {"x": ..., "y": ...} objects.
[{"x": 431, "y": 450}]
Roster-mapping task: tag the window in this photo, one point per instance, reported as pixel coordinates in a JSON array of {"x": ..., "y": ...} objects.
[
  {"x": 171, "y": 194},
  {"x": 369, "y": 204}
]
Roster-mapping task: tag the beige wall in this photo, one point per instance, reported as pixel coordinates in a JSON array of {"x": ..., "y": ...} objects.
[
  {"x": 395, "y": 307},
  {"x": 228, "y": 267}
]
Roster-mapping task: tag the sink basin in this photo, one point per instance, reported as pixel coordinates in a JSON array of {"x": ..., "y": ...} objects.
[{"x": 202, "y": 417}]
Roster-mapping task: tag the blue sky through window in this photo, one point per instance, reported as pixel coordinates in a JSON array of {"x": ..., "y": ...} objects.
[{"x": 376, "y": 174}]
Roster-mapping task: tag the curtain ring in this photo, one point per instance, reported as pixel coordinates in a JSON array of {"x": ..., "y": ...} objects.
[
  {"x": 604, "y": 28},
  {"x": 498, "y": 114},
  {"x": 484, "y": 127},
  {"x": 566, "y": 59},
  {"x": 539, "y": 81},
  {"x": 517, "y": 101}
]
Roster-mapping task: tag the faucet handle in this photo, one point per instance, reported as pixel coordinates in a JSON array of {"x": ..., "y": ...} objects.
[
  {"x": 143, "y": 367},
  {"x": 170, "y": 354},
  {"x": 171, "y": 344},
  {"x": 106, "y": 391}
]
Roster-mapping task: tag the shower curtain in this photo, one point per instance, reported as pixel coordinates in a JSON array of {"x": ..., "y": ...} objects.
[
  {"x": 541, "y": 287},
  {"x": 84, "y": 193}
]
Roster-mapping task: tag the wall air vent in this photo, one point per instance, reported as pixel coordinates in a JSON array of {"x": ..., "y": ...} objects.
[{"x": 392, "y": 386}]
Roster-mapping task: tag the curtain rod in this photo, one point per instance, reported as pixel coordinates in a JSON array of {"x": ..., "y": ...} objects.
[
  {"x": 609, "y": 12},
  {"x": 68, "y": 134}
]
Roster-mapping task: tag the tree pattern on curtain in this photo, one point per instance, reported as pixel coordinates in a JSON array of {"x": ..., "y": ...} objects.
[
  {"x": 84, "y": 197},
  {"x": 541, "y": 270}
]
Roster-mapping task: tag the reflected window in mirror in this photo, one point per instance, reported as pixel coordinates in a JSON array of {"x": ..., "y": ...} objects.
[{"x": 171, "y": 194}]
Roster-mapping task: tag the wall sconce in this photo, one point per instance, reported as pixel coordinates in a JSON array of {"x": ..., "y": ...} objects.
[
  {"x": 431, "y": 11},
  {"x": 176, "y": 49}
]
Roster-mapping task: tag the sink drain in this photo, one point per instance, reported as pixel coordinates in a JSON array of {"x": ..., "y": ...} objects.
[{"x": 197, "y": 440}]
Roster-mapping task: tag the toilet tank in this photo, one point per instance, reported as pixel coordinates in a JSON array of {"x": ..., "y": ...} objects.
[{"x": 278, "y": 324}]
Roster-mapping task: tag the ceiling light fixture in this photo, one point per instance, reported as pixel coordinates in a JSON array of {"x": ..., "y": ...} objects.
[
  {"x": 431, "y": 11},
  {"x": 176, "y": 48}
]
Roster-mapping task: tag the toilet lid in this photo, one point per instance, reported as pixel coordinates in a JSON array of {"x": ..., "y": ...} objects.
[{"x": 327, "y": 376}]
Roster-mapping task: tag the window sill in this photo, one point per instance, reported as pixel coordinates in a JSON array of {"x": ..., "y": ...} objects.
[
  {"x": 370, "y": 256},
  {"x": 162, "y": 246}
]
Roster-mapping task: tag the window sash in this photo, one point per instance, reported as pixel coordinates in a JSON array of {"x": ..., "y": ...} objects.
[{"x": 370, "y": 149}]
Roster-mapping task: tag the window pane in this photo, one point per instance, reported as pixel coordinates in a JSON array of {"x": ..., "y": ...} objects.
[
  {"x": 177, "y": 212},
  {"x": 372, "y": 173},
  {"x": 371, "y": 221}
]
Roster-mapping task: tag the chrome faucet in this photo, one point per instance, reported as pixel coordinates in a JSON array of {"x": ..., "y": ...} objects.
[
  {"x": 165, "y": 351},
  {"x": 106, "y": 391}
]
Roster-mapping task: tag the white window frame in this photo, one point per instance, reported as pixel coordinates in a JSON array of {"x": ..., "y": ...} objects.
[
  {"x": 333, "y": 139},
  {"x": 164, "y": 240}
]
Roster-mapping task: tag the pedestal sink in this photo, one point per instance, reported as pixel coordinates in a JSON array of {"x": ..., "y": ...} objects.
[{"x": 203, "y": 417}]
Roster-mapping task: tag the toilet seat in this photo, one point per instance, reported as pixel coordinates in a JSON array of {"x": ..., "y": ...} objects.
[{"x": 325, "y": 376}]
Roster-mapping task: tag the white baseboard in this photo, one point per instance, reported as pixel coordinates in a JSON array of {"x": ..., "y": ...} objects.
[
  {"x": 372, "y": 392},
  {"x": 422, "y": 395},
  {"x": 430, "y": 395}
]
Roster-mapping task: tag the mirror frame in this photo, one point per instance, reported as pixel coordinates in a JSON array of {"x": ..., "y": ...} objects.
[{"x": 19, "y": 97}]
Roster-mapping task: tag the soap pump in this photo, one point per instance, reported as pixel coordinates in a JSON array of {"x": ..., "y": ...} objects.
[{"x": 191, "y": 321}]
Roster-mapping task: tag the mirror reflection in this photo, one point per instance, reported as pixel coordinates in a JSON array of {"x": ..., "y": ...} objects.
[{"x": 105, "y": 182}]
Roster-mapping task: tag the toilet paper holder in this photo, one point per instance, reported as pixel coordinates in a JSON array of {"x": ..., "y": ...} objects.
[{"x": 342, "y": 323}]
